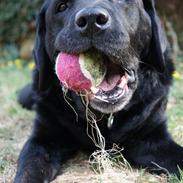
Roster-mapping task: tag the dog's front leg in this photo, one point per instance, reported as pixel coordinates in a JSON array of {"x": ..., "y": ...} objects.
[
  {"x": 158, "y": 153},
  {"x": 40, "y": 163}
]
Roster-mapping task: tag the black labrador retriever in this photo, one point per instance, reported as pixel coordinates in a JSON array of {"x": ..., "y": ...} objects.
[{"x": 129, "y": 35}]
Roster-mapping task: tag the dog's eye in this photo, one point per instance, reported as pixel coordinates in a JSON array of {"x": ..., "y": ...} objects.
[{"x": 62, "y": 6}]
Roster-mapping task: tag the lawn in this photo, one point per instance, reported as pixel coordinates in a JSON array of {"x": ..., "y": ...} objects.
[{"x": 15, "y": 127}]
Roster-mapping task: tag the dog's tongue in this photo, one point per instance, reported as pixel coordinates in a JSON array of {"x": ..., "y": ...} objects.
[{"x": 110, "y": 82}]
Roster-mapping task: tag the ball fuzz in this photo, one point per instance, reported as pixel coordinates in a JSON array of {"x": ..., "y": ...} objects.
[{"x": 80, "y": 72}]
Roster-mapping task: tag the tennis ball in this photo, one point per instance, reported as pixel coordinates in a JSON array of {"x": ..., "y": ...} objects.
[{"x": 81, "y": 72}]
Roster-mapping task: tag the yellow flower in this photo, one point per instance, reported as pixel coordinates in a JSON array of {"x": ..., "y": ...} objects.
[
  {"x": 176, "y": 75},
  {"x": 18, "y": 63},
  {"x": 31, "y": 65}
]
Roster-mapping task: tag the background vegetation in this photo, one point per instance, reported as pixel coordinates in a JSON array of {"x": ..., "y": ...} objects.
[{"x": 17, "y": 19}]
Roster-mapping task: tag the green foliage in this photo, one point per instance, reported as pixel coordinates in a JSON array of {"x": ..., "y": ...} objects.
[
  {"x": 181, "y": 175},
  {"x": 17, "y": 18},
  {"x": 8, "y": 52},
  {"x": 174, "y": 179}
]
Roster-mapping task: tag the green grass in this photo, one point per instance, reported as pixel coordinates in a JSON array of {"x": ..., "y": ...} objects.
[
  {"x": 15, "y": 122},
  {"x": 175, "y": 105},
  {"x": 15, "y": 127}
]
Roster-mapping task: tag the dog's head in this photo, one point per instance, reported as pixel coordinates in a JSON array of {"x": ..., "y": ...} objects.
[{"x": 125, "y": 32}]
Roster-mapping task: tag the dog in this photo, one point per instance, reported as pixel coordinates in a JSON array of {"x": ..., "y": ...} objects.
[{"x": 130, "y": 36}]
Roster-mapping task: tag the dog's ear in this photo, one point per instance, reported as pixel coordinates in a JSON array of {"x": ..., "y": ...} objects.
[
  {"x": 43, "y": 69},
  {"x": 158, "y": 42}
]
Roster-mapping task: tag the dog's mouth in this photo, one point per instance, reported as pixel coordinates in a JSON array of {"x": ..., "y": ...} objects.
[
  {"x": 108, "y": 94},
  {"x": 115, "y": 84}
]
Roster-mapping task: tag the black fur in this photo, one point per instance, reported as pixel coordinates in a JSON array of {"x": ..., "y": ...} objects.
[
  {"x": 25, "y": 97},
  {"x": 140, "y": 126}
]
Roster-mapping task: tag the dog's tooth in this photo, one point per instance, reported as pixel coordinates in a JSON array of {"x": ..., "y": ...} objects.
[
  {"x": 120, "y": 92},
  {"x": 110, "y": 96},
  {"x": 126, "y": 88},
  {"x": 104, "y": 97},
  {"x": 100, "y": 98},
  {"x": 123, "y": 92},
  {"x": 94, "y": 90},
  {"x": 123, "y": 82}
]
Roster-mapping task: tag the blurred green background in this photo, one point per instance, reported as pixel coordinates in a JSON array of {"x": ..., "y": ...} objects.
[
  {"x": 17, "y": 26},
  {"x": 17, "y": 29}
]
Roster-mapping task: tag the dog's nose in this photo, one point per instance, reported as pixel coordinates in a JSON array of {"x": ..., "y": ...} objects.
[{"x": 92, "y": 20}]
